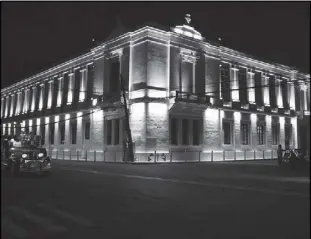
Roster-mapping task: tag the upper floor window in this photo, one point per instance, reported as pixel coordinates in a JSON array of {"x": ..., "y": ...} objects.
[{"x": 225, "y": 82}]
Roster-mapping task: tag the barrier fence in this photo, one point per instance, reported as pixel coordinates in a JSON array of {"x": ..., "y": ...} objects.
[{"x": 163, "y": 157}]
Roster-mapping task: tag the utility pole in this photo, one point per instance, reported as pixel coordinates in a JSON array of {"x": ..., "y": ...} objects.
[{"x": 130, "y": 152}]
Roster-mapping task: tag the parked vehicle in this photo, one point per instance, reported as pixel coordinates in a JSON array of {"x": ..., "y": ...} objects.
[
  {"x": 25, "y": 155},
  {"x": 295, "y": 159}
]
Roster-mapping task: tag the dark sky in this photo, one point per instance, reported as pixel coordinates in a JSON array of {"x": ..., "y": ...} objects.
[{"x": 35, "y": 36}]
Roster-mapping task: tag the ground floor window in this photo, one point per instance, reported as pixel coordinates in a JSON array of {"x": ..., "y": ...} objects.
[
  {"x": 113, "y": 131},
  {"x": 62, "y": 133},
  {"x": 245, "y": 132},
  {"x": 260, "y": 134},
  {"x": 275, "y": 134},
  {"x": 73, "y": 132},
  {"x": 227, "y": 130},
  {"x": 189, "y": 131},
  {"x": 173, "y": 131},
  {"x": 42, "y": 132},
  {"x": 87, "y": 129},
  {"x": 52, "y": 129}
]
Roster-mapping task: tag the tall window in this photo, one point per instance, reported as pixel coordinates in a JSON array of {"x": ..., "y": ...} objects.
[
  {"x": 260, "y": 134},
  {"x": 174, "y": 131},
  {"x": 87, "y": 130},
  {"x": 52, "y": 130},
  {"x": 245, "y": 133},
  {"x": 227, "y": 128},
  {"x": 185, "y": 135},
  {"x": 42, "y": 132},
  {"x": 109, "y": 131},
  {"x": 275, "y": 134},
  {"x": 196, "y": 132},
  {"x": 34, "y": 129},
  {"x": 243, "y": 86},
  {"x": 114, "y": 79},
  {"x": 113, "y": 131},
  {"x": 225, "y": 83},
  {"x": 62, "y": 133},
  {"x": 73, "y": 132},
  {"x": 251, "y": 85}
]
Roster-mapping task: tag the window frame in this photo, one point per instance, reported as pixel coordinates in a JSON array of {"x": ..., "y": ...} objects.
[{"x": 230, "y": 123}]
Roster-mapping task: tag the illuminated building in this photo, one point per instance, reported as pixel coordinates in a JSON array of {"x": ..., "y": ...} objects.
[{"x": 185, "y": 94}]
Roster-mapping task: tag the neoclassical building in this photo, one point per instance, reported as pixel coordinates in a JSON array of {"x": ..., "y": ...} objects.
[{"x": 186, "y": 96}]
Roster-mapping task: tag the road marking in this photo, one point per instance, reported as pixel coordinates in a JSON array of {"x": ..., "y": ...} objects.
[
  {"x": 190, "y": 182},
  {"x": 11, "y": 228},
  {"x": 76, "y": 219},
  {"x": 279, "y": 179},
  {"x": 45, "y": 223}
]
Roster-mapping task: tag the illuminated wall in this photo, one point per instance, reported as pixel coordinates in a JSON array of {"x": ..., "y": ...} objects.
[
  {"x": 212, "y": 129},
  {"x": 157, "y": 125},
  {"x": 138, "y": 125},
  {"x": 212, "y": 73}
]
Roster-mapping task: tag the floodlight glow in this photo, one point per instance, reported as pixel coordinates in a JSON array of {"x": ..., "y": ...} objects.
[
  {"x": 94, "y": 102},
  {"x": 303, "y": 87}
]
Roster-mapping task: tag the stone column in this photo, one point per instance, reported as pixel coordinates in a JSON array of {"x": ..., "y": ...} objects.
[
  {"x": 70, "y": 89},
  {"x": 34, "y": 95},
  {"x": 251, "y": 85},
  {"x": 59, "y": 92},
  {"x": 265, "y": 90},
  {"x": 50, "y": 94},
  {"x": 41, "y": 99},
  {"x": 291, "y": 95},
  {"x": 278, "y": 93}
]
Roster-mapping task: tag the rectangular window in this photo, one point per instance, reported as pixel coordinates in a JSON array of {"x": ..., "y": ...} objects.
[
  {"x": 115, "y": 77},
  {"x": 87, "y": 130},
  {"x": 196, "y": 132},
  {"x": 109, "y": 131},
  {"x": 52, "y": 129},
  {"x": 260, "y": 134},
  {"x": 243, "y": 86},
  {"x": 275, "y": 134},
  {"x": 185, "y": 135},
  {"x": 42, "y": 131},
  {"x": 116, "y": 131},
  {"x": 227, "y": 132},
  {"x": 174, "y": 133},
  {"x": 225, "y": 84},
  {"x": 34, "y": 129},
  {"x": 73, "y": 132},
  {"x": 62, "y": 133},
  {"x": 245, "y": 133}
]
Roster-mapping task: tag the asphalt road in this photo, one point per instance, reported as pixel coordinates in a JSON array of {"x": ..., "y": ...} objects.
[{"x": 95, "y": 200}]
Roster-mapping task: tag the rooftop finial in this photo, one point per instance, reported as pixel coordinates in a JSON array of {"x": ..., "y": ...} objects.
[{"x": 188, "y": 18}]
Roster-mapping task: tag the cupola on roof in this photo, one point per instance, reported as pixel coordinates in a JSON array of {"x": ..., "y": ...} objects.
[{"x": 187, "y": 30}]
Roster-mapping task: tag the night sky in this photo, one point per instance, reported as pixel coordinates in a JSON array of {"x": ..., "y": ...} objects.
[{"x": 37, "y": 35}]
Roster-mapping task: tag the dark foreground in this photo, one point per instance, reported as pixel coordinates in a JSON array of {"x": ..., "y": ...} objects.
[{"x": 93, "y": 200}]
